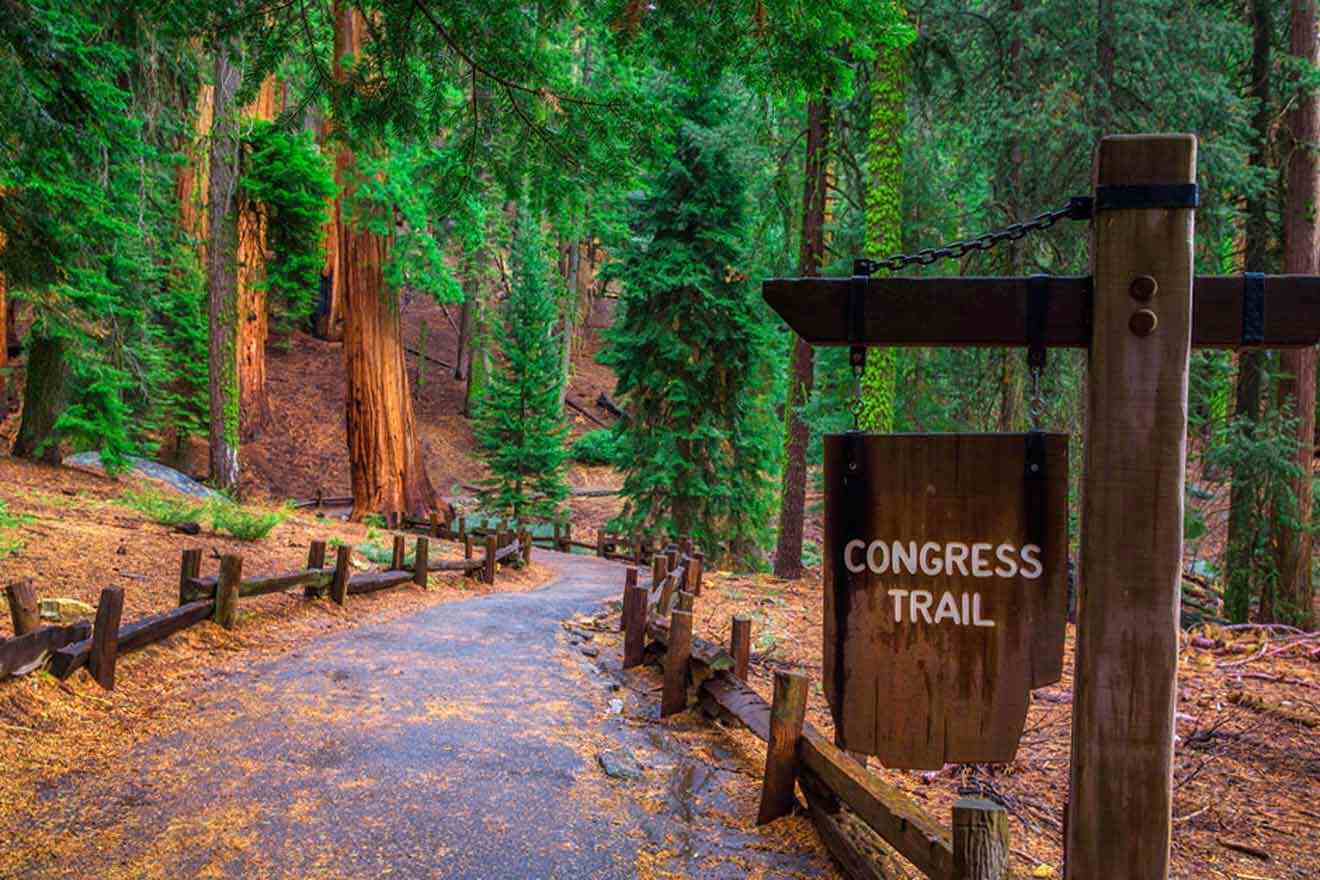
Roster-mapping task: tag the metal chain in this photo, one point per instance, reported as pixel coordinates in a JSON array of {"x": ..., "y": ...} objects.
[{"x": 1078, "y": 208}]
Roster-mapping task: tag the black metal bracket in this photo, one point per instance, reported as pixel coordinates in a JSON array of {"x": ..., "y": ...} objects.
[
  {"x": 1038, "y": 308},
  {"x": 1036, "y": 487},
  {"x": 857, "y": 314},
  {"x": 1253, "y": 308},
  {"x": 1154, "y": 195}
]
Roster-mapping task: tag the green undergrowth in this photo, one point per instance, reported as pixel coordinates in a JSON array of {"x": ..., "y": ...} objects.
[
  {"x": 225, "y": 516},
  {"x": 600, "y": 446},
  {"x": 10, "y": 544}
]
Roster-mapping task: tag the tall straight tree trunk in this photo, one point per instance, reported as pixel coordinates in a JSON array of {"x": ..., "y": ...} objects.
[
  {"x": 793, "y": 492},
  {"x": 1251, "y": 364},
  {"x": 4, "y": 342},
  {"x": 45, "y": 394},
  {"x": 385, "y": 459},
  {"x": 329, "y": 322},
  {"x": 222, "y": 273},
  {"x": 253, "y": 311},
  {"x": 1010, "y": 375},
  {"x": 1301, "y": 256},
  {"x": 884, "y": 221},
  {"x": 190, "y": 189}
]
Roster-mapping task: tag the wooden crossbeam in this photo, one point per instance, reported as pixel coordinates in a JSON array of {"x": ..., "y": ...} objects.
[{"x": 993, "y": 311}]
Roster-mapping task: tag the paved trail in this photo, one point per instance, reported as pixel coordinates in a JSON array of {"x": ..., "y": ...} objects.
[{"x": 456, "y": 743}]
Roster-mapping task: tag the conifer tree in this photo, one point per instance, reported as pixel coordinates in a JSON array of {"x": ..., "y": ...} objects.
[
  {"x": 520, "y": 425},
  {"x": 690, "y": 349}
]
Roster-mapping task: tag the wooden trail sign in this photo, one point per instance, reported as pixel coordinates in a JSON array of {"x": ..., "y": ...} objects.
[
  {"x": 945, "y": 591},
  {"x": 1140, "y": 313}
]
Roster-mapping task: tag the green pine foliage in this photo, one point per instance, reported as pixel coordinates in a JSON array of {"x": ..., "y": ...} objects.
[
  {"x": 286, "y": 173},
  {"x": 519, "y": 420},
  {"x": 599, "y": 447},
  {"x": 690, "y": 348}
]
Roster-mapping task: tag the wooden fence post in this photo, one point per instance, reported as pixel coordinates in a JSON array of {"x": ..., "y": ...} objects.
[
  {"x": 1132, "y": 495},
  {"x": 315, "y": 562},
  {"x": 568, "y": 537},
  {"x": 525, "y": 540},
  {"x": 679, "y": 651},
  {"x": 399, "y": 554},
  {"x": 462, "y": 528},
  {"x": 435, "y": 523},
  {"x": 23, "y": 606},
  {"x": 421, "y": 559},
  {"x": 980, "y": 840},
  {"x": 698, "y": 564},
  {"x": 600, "y": 543},
  {"x": 343, "y": 571},
  {"x": 659, "y": 569},
  {"x": 105, "y": 637},
  {"x": 740, "y": 645},
  {"x": 190, "y": 566},
  {"x": 787, "y": 713},
  {"x": 491, "y": 542},
  {"x": 634, "y": 620},
  {"x": 226, "y": 590}
]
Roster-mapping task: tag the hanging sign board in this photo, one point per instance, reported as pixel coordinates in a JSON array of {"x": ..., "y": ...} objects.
[{"x": 945, "y": 590}]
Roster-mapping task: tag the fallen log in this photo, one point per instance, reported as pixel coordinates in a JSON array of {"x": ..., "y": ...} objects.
[
  {"x": 431, "y": 358},
  {"x": 584, "y": 411},
  {"x": 23, "y": 654},
  {"x": 604, "y": 402}
]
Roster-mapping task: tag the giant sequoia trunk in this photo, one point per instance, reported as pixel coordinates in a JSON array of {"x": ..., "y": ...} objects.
[
  {"x": 45, "y": 394},
  {"x": 190, "y": 187},
  {"x": 253, "y": 311},
  {"x": 385, "y": 460},
  {"x": 1301, "y": 256},
  {"x": 792, "y": 506},
  {"x": 222, "y": 276}
]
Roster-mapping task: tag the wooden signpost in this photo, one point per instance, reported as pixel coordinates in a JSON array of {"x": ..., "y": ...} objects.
[
  {"x": 946, "y": 592},
  {"x": 1139, "y": 314}
]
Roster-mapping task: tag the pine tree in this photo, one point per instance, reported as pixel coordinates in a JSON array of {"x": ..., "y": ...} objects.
[
  {"x": 690, "y": 349},
  {"x": 520, "y": 425}
]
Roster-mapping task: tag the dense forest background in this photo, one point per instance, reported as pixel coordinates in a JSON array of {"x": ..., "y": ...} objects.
[{"x": 185, "y": 186}]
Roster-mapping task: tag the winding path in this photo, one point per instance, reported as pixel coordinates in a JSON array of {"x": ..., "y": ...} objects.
[{"x": 456, "y": 743}]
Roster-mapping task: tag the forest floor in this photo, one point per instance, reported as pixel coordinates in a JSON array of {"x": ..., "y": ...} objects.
[
  {"x": 1247, "y": 765},
  {"x": 464, "y": 740}
]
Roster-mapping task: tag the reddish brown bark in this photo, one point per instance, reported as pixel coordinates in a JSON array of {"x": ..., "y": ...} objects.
[
  {"x": 330, "y": 321},
  {"x": 190, "y": 196},
  {"x": 788, "y": 551},
  {"x": 385, "y": 459},
  {"x": 253, "y": 312},
  {"x": 1301, "y": 255}
]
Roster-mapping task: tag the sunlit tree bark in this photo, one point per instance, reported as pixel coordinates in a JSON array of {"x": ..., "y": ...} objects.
[{"x": 389, "y": 476}]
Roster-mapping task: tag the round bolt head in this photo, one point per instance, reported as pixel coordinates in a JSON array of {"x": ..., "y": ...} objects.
[
  {"x": 1143, "y": 322},
  {"x": 1143, "y": 288}
]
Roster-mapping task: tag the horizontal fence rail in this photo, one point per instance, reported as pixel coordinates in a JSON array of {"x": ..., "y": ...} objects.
[
  {"x": 66, "y": 649},
  {"x": 857, "y": 814}
]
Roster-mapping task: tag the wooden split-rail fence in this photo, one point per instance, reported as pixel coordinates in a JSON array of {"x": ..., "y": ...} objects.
[
  {"x": 608, "y": 545},
  {"x": 858, "y": 815},
  {"x": 96, "y": 646}
]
